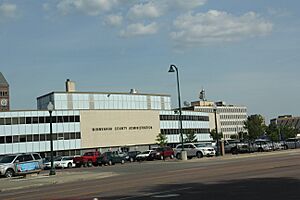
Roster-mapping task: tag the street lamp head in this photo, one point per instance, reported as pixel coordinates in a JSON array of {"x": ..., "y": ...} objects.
[
  {"x": 50, "y": 107},
  {"x": 172, "y": 68}
]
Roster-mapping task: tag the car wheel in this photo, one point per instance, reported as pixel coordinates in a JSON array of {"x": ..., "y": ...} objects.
[
  {"x": 78, "y": 165},
  {"x": 199, "y": 154},
  {"x": 89, "y": 164},
  {"x": 9, "y": 173},
  {"x": 122, "y": 162},
  {"x": 131, "y": 159},
  {"x": 178, "y": 156},
  {"x": 69, "y": 165}
]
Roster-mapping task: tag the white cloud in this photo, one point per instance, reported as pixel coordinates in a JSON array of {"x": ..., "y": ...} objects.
[
  {"x": 8, "y": 10},
  {"x": 185, "y": 4},
  {"x": 139, "y": 29},
  {"x": 217, "y": 26},
  {"x": 147, "y": 10},
  {"x": 89, "y": 7},
  {"x": 114, "y": 20}
]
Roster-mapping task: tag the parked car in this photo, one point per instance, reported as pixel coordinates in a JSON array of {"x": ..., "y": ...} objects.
[
  {"x": 87, "y": 159},
  {"x": 146, "y": 155},
  {"x": 292, "y": 143},
  {"x": 62, "y": 162},
  {"x": 191, "y": 149},
  {"x": 20, "y": 164},
  {"x": 261, "y": 145},
  {"x": 164, "y": 152},
  {"x": 131, "y": 155},
  {"x": 207, "y": 150},
  {"x": 110, "y": 158}
]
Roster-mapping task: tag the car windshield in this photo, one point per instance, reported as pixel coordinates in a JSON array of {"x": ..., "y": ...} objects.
[
  {"x": 7, "y": 159},
  {"x": 57, "y": 159},
  {"x": 146, "y": 152},
  {"x": 67, "y": 158},
  {"x": 200, "y": 145}
]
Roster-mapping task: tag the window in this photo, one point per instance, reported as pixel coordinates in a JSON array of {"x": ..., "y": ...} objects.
[
  {"x": 22, "y": 120},
  {"x": 1, "y": 121},
  {"x": 77, "y": 119},
  {"x": 27, "y": 157},
  {"x": 72, "y": 119},
  {"x": 22, "y": 138},
  {"x": 16, "y": 139},
  {"x": 35, "y": 120},
  {"x": 36, "y": 156},
  {"x": 7, "y": 121},
  {"x": 42, "y": 137},
  {"x": 29, "y": 138},
  {"x": 1, "y": 140},
  {"x": 15, "y": 120},
  {"x": 28, "y": 120},
  {"x": 36, "y": 137},
  {"x": 8, "y": 139},
  {"x": 41, "y": 120},
  {"x": 72, "y": 136},
  {"x": 78, "y": 136},
  {"x": 66, "y": 136}
]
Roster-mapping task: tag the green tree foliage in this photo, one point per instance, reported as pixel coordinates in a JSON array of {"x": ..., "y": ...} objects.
[
  {"x": 190, "y": 136},
  {"x": 161, "y": 139},
  {"x": 272, "y": 132},
  {"x": 255, "y": 126},
  {"x": 214, "y": 135},
  {"x": 287, "y": 132}
]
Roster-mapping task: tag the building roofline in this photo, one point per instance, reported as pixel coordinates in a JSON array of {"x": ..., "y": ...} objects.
[{"x": 122, "y": 93}]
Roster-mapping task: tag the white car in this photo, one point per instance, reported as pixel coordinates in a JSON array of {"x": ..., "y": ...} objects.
[
  {"x": 61, "y": 162},
  {"x": 194, "y": 151},
  {"x": 146, "y": 155},
  {"x": 206, "y": 149}
]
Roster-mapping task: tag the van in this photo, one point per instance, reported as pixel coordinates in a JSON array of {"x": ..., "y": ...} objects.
[{"x": 20, "y": 164}]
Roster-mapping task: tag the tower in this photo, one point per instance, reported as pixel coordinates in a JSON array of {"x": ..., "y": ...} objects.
[{"x": 4, "y": 94}]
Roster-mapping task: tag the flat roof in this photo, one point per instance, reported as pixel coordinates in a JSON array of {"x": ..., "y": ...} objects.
[{"x": 119, "y": 93}]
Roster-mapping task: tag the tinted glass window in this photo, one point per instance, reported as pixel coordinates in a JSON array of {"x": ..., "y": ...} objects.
[
  {"x": 36, "y": 156},
  {"x": 27, "y": 157},
  {"x": 7, "y": 159}
]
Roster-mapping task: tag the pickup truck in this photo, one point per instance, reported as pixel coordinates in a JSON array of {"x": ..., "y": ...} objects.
[{"x": 87, "y": 159}]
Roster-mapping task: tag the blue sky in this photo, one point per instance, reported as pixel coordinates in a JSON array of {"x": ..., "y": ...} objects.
[{"x": 242, "y": 52}]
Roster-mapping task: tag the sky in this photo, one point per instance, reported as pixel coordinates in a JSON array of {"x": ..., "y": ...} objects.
[{"x": 240, "y": 52}]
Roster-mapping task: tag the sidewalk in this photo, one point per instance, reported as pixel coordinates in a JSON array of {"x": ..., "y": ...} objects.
[{"x": 34, "y": 180}]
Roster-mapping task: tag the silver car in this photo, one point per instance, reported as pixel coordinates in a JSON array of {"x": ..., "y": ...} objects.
[{"x": 20, "y": 164}]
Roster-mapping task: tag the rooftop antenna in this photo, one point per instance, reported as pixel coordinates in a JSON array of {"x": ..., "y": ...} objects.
[{"x": 202, "y": 95}]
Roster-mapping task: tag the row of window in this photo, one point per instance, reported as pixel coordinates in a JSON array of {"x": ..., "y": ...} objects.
[
  {"x": 39, "y": 137},
  {"x": 184, "y": 131},
  {"x": 235, "y": 129},
  {"x": 233, "y": 116},
  {"x": 231, "y": 123},
  {"x": 3, "y": 93},
  {"x": 38, "y": 120},
  {"x": 184, "y": 118}
]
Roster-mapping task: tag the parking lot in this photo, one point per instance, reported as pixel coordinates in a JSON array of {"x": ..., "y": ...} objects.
[{"x": 132, "y": 179}]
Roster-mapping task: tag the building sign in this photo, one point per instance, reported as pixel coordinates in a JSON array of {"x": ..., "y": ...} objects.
[{"x": 121, "y": 128}]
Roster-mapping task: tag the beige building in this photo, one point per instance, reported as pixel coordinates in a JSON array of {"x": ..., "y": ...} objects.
[{"x": 118, "y": 128}]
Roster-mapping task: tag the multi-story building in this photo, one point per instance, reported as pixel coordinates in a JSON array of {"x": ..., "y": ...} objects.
[
  {"x": 4, "y": 94},
  {"x": 94, "y": 120},
  {"x": 230, "y": 118},
  {"x": 287, "y": 120}
]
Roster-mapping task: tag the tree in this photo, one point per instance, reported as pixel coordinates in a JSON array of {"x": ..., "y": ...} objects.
[
  {"x": 214, "y": 135},
  {"x": 161, "y": 139},
  {"x": 272, "y": 132},
  {"x": 287, "y": 132},
  {"x": 190, "y": 136},
  {"x": 255, "y": 126}
]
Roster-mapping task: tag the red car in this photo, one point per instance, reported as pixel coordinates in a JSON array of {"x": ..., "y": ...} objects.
[
  {"x": 164, "y": 152},
  {"x": 88, "y": 159}
]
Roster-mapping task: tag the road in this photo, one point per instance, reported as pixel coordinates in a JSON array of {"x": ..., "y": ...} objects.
[{"x": 260, "y": 176}]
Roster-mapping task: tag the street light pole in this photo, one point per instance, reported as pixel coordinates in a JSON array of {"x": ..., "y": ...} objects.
[
  {"x": 50, "y": 108},
  {"x": 183, "y": 153},
  {"x": 217, "y": 134}
]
